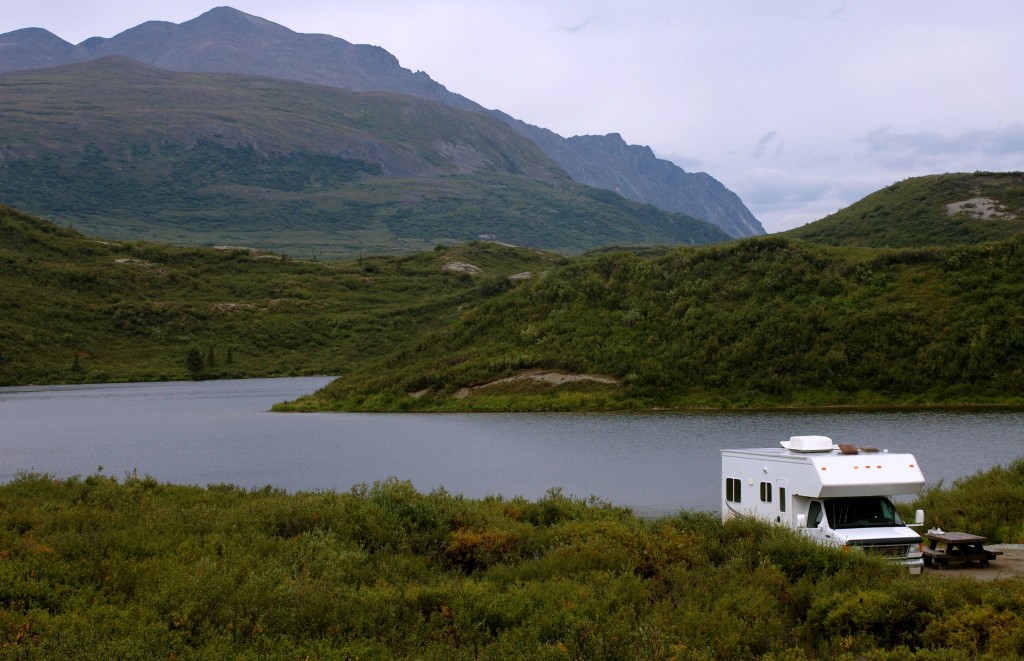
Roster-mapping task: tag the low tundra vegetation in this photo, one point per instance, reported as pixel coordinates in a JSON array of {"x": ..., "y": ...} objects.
[
  {"x": 78, "y": 310},
  {"x": 100, "y": 568},
  {"x": 988, "y": 503},
  {"x": 766, "y": 322}
]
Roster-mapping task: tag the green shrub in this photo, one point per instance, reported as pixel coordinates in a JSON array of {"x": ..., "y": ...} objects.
[
  {"x": 988, "y": 503},
  {"x": 97, "y": 568}
]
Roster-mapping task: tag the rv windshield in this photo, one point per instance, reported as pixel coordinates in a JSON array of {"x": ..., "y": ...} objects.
[{"x": 870, "y": 512}]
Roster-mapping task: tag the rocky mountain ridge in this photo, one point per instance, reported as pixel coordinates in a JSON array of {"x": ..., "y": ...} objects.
[{"x": 635, "y": 173}]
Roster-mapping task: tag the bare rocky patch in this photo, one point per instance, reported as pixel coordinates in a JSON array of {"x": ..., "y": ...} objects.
[
  {"x": 980, "y": 208},
  {"x": 230, "y": 307},
  {"x": 552, "y": 378},
  {"x": 141, "y": 264},
  {"x": 461, "y": 267}
]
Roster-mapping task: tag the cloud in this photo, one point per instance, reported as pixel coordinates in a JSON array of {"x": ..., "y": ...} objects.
[
  {"x": 908, "y": 149},
  {"x": 839, "y": 13},
  {"x": 685, "y": 161},
  {"x": 783, "y": 200},
  {"x": 575, "y": 28},
  {"x": 763, "y": 143}
]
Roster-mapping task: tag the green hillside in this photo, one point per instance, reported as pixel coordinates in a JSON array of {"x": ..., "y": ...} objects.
[
  {"x": 756, "y": 322},
  {"x": 123, "y": 151},
  {"x": 937, "y": 210},
  {"x": 481, "y": 326},
  {"x": 83, "y": 310}
]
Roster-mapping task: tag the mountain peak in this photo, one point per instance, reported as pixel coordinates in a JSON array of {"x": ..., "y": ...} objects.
[
  {"x": 35, "y": 48},
  {"x": 31, "y": 34},
  {"x": 229, "y": 18},
  {"x": 226, "y": 11}
]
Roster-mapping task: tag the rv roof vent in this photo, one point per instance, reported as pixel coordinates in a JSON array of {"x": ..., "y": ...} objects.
[
  {"x": 847, "y": 448},
  {"x": 808, "y": 444}
]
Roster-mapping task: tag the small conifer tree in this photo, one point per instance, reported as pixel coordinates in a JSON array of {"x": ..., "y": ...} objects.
[{"x": 194, "y": 362}]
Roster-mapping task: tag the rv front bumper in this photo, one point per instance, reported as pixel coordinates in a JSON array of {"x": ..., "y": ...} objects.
[{"x": 901, "y": 552}]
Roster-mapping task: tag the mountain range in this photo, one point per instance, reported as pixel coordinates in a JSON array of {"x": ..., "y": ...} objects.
[
  {"x": 224, "y": 40},
  {"x": 125, "y": 151}
]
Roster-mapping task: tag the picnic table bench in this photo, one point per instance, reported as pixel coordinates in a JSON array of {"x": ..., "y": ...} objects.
[{"x": 956, "y": 548}]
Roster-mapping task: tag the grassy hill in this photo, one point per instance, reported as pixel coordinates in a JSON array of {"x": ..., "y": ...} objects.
[
  {"x": 755, "y": 322},
  {"x": 77, "y": 309},
  {"x": 937, "y": 210},
  {"x": 123, "y": 151}
]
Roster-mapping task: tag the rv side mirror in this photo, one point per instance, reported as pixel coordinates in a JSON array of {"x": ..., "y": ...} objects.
[
  {"x": 919, "y": 518},
  {"x": 801, "y": 520}
]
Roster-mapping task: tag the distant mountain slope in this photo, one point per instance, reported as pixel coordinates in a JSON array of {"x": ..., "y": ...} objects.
[
  {"x": 937, "y": 210},
  {"x": 116, "y": 98},
  {"x": 637, "y": 174},
  {"x": 124, "y": 150},
  {"x": 229, "y": 41},
  {"x": 36, "y": 48}
]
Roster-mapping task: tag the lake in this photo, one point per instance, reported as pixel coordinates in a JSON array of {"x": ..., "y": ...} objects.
[{"x": 213, "y": 432}]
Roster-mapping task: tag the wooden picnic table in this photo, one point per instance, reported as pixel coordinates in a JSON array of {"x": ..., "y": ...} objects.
[{"x": 956, "y": 548}]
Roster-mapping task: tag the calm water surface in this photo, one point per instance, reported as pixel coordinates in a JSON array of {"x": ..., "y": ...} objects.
[{"x": 221, "y": 432}]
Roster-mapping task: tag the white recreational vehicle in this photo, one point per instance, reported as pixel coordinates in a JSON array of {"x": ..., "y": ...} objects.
[{"x": 835, "y": 494}]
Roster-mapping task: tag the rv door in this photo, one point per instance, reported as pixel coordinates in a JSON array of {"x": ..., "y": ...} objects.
[
  {"x": 782, "y": 490},
  {"x": 817, "y": 527}
]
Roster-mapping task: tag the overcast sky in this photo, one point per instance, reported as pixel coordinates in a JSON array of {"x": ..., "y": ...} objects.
[{"x": 800, "y": 107}]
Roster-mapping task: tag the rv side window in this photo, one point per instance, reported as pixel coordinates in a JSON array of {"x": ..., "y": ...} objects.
[
  {"x": 732, "y": 489},
  {"x": 766, "y": 492},
  {"x": 782, "y": 499}
]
